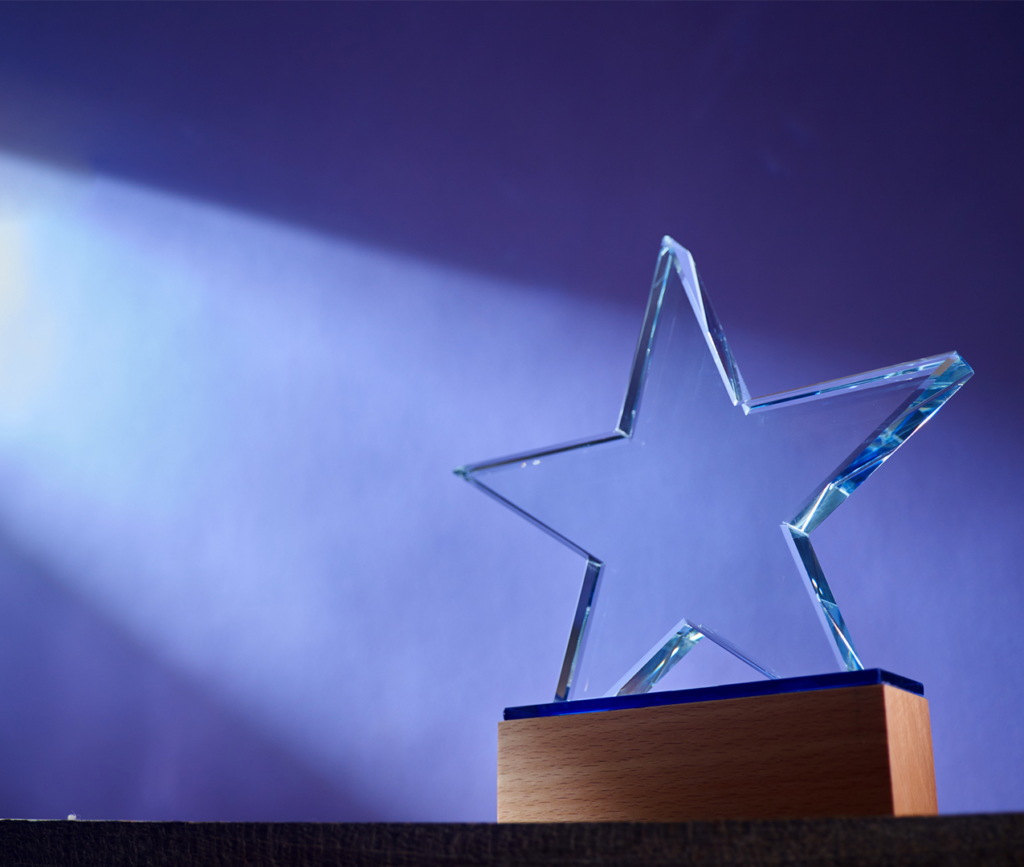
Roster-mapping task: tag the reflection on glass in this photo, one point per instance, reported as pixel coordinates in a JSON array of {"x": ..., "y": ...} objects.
[{"x": 694, "y": 515}]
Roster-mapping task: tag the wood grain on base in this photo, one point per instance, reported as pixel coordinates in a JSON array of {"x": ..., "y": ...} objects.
[
  {"x": 910, "y": 754},
  {"x": 857, "y": 751}
]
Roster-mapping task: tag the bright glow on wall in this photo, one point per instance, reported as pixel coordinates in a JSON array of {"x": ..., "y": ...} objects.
[{"x": 233, "y": 439}]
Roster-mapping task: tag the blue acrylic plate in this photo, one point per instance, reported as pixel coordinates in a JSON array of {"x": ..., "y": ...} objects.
[{"x": 868, "y": 677}]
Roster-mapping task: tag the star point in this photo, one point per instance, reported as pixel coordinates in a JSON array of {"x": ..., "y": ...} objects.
[{"x": 677, "y": 511}]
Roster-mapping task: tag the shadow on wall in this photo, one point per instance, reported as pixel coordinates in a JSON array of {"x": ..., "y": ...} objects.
[
  {"x": 98, "y": 726},
  {"x": 850, "y": 172}
]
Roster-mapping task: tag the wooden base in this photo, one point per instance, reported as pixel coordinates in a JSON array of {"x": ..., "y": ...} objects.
[{"x": 856, "y": 751}]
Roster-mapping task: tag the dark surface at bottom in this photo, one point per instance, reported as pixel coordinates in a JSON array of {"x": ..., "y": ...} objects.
[{"x": 943, "y": 840}]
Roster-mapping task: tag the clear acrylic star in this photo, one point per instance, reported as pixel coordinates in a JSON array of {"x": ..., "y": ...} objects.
[{"x": 694, "y": 515}]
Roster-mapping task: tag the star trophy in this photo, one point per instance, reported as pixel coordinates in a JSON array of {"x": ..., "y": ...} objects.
[{"x": 694, "y": 518}]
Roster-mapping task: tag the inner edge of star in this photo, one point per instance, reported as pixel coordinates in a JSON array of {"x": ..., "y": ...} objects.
[{"x": 942, "y": 376}]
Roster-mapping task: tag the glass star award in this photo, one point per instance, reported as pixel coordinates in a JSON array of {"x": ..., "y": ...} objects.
[{"x": 694, "y": 516}]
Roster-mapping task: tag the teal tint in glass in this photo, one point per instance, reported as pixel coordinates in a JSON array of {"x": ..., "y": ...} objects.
[{"x": 694, "y": 515}]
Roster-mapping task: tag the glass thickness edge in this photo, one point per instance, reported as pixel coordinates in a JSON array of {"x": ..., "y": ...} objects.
[
  {"x": 810, "y": 683},
  {"x": 942, "y": 376}
]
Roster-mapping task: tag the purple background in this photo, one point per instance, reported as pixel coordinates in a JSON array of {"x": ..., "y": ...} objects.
[{"x": 289, "y": 264}]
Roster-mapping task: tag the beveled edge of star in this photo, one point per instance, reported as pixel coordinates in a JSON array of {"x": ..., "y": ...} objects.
[{"x": 943, "y": 375}]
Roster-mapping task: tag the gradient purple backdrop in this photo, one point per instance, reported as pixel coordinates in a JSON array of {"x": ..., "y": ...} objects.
[{"x": 422, "y": 235}]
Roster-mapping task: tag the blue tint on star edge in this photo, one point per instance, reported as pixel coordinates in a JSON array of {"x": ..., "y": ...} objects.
[{"x": 868, "y": 677}]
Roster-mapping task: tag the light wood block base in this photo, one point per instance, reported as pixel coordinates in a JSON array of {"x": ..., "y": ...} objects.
[{"x": 856, "y": 751}]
